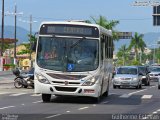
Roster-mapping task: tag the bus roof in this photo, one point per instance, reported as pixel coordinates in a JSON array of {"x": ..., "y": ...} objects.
[{"x": 102, "y": 29}]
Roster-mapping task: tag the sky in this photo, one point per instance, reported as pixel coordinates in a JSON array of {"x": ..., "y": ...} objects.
[{"x": 131, "y": 18}]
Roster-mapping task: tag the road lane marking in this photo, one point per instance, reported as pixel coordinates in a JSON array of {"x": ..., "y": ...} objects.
[
  {"x": 36, "y": 95},
  {"x": 3, "y": 93},
  {"x": 105, "y": 102},
  {"x": 112, "y": 93},
  {"x": 146, "y": 96},
  {"x": 83, "y": 108},
  {"x": 152, "y": 86},
  {"x": 18, "y": 94},
  {"x": 155, "y": 112},
  {"x": 124, "y": 96},
  {"x": 136, "y": 92},
  {"x": 6, "y": 107},
  {"x": 129, "y": 94},
  {"x": 53, "y": 116},
  {"x": 158, "y": 110},
  {"x": 37, "y": 101}
]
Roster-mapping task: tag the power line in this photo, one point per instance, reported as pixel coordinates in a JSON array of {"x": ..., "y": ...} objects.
[{"x": 134, "y": 19}]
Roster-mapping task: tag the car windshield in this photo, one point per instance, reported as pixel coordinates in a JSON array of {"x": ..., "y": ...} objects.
[
  {"x": 155, "y": 69},
  {"x": 127, "y": 71},
  {"x": 68, "y": 54}
]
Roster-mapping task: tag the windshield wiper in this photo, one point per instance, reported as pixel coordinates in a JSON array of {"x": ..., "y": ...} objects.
[{"x": 76, "y": 43}]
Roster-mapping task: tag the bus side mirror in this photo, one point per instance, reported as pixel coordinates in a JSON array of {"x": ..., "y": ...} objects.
[{"x": 33, "y": 46}]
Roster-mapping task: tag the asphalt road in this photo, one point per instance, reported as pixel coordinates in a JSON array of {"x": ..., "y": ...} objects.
[
  {"x": 126, "y": 103},
  {"x": 121, "y": 103}
]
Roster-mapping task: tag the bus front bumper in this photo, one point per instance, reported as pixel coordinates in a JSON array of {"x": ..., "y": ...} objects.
[{"x": 90, "y": 91}]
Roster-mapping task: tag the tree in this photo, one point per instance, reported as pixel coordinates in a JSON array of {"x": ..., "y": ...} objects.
[
  {"x": 27, "y": 49},
  {"x": 138, "y": 44},
  {"x": 102, "y": 21},
  {"x": 123, "y": 53}
]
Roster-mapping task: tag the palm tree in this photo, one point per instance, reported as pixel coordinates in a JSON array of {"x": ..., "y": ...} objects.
[
  {"x": 123, "y": 53},
  {"x": 102, "y": 21},
  {"x": 27, "y": 49},
  {"x": 137, "y": 43}
]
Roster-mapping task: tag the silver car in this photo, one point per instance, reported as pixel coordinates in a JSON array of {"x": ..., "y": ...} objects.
[
  {"x": 159, "y": 83},
  {"x": 127, "y": 76},
  {"x": 154, "y": 73}
]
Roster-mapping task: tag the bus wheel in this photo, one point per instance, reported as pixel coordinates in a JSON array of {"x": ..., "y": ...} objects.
[
  {"x": 106, "y": 92},
  {"x": 46, "y": 97},
  {"x": 96, "y": 99},
  {"x": 114, "y": 86}
]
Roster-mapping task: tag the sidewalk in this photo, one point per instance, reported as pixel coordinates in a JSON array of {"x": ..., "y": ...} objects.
[
  {"x": 4, "y": 77},
  {"x": 4, "y": 73},
  {"x": 6, "y": 82}
]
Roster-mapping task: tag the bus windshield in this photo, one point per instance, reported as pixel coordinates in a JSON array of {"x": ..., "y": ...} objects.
[{"x": 68, "y": 54}]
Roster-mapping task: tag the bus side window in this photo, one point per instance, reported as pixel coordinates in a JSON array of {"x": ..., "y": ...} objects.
[{"x": 102, "y": 47}]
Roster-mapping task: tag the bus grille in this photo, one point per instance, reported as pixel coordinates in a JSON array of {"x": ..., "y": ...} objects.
[
  {"x": 69, "y": 83},
  {"x": 66, "y": 89},
  {"x": 66, "y": 77}
]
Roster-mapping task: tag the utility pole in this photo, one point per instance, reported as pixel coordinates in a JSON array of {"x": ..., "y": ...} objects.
[
  {"x": 15, "y": 29},
  {"x": 2, "y": 31},
  {"x": 30, "y": 57},
  {"x": 30, "y": 35},
  {"x": 15, "y": 33}
]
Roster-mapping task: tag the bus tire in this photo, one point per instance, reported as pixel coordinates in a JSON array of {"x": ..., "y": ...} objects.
[
  {"x": 46, "y": 97},
  {"x": 96, "y": 99},
  {"x": 114, "y": 86},
  {"x": 107, "y": 91}
]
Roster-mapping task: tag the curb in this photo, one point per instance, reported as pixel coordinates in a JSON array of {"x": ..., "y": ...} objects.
[{"x": 3, "y": 73}]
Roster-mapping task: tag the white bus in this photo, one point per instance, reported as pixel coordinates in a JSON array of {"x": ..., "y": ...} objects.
[{"x": 73, "y": 59}]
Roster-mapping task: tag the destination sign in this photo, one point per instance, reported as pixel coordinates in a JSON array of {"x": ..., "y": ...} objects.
[{"x": 73, "y": 30}]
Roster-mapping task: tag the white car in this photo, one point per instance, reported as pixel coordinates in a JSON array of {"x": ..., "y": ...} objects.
[{"x": 127, "y": 76}]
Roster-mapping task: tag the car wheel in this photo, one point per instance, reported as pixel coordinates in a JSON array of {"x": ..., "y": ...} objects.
[
  {"x": 140, "y": 86},
  {"x": 114, "y": 86},
  {"x": 46, "y": 97},
  {"x": 158, "y": 86},
  {"x": 148, "y": 83},
  {"x": 137, "y": 86}
]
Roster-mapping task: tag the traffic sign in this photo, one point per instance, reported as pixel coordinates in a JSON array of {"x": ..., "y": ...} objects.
[
  {"x": 156, "y": 15},
  {"x": 124, "y": 35}
]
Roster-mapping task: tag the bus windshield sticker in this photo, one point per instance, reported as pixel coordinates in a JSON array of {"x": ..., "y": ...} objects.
[{"x": 70, "y": 67}]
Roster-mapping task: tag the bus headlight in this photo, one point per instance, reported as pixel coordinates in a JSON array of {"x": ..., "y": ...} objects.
[
  {"x": 42, "y": 79},
  {"x": 89, "y": 82}
]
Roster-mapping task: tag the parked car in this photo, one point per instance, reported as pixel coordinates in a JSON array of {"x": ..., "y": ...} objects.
[
  {"x": 145, "y": 78},
  {"x": 154, "y": 73},
  {"x": 127, "y": 76}
]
